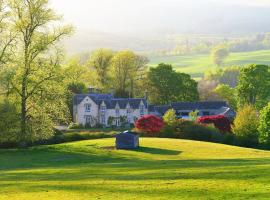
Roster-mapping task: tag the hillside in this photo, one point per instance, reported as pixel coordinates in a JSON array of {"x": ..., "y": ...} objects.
[
  {"x": 196, "y": 65},
  {"x": 160, "y": 169}
]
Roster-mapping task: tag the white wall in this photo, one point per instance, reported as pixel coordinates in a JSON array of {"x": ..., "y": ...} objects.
[{"x": 81, "y": 110}]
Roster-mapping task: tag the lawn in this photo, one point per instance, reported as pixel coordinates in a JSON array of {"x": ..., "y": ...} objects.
[
  {"x": 160, "y": 169},
  {"x": 196, "y": 65}
]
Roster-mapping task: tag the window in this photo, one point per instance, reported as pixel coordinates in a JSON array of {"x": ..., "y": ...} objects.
[
  {"x": 88, "y": 119},
  {"x": 141, "y": 110},
  {"x": 103, "y": 109},
  {"x": 87, "y": 107},
  {"x": 117, "y": 121},
  {"x": 103, "y": 119},
  {"x": 184, "y": 114},
  {"x": 205, "y": 113},
  {"x": 128, "y": 111},
  {"x": 117, "y": 112}
]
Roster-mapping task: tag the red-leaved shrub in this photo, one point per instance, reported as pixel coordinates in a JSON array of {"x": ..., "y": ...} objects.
[
  {"x": 220, "y": 122},
  {"x": 149, "y": 124}
]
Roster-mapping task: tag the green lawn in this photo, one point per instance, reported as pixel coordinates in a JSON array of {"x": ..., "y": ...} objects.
[
  {"x": 196, "y": 65},
  {"x": 160, "y": 169}
]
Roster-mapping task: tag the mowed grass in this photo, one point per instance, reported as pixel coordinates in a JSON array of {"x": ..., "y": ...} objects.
[
  {"x": 196, "y": 65},
  {"x": 160, "y": 169}
]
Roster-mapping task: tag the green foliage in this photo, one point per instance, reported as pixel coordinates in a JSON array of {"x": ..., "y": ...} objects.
[
  {"x": 166, "y": 85},
  {"x": 34, "y": 76},
  {"x": 185, "y": 129},
  {"x": 170, "y": 117},
  {"x": 100, "y": 61},
  {"x": 228, "y": 94},
  {"x": 219, "y": 54},
  {"x": 126, "y": 72},
  {"x": 9, "y": 123},
  {"x": 264, "y": 127},
  {"x": 254, "y": 84},
  {"x": 110, "y": 120},
  {"x": 194, "y": 115},
  {"x": 246, "y": 125}
]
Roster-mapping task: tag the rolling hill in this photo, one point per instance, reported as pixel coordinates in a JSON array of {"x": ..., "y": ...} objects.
[
  {"x": 159, "y": 169},
  {"x": 196, "y": 65}
]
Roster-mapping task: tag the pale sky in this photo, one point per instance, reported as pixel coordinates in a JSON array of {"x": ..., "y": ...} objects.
[{"x": 123, "y": 15}]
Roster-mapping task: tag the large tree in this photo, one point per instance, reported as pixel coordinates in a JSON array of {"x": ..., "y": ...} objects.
[
  {"x": 128, "y": 70},
  {"x": 166, "y": 85},
  {"x": 35, "y": 76},
  {"x": 253, "y": 86},
  {"x": 100, "y": 61}
]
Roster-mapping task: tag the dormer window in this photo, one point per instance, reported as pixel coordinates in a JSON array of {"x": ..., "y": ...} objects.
[
  {"x": 103, "y": 109},
  {"x": 87, "y": 107}
]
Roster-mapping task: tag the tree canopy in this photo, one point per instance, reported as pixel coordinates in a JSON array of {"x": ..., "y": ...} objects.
[{"x": 166, "y": 85}]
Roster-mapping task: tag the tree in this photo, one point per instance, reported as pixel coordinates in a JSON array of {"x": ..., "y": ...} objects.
[
  {"x": 228, "y": 94},
  {"x": 149, "y": 124},
  {"x": 246, "y": 125},
  {"x": 36, "y": 77},
  {"x": 100, "y": 61},
  {"x": 170, "y": 118},
  {"x": 6, "y": 36},
  {"x": 166, "y": 85},
  {"x": 219, "y": 54},
  {"x": 230, "y": 76},
  {"x": 264, "y": 127},
  {"x": 253, "y": 86},
  {"x": 123, "y": 68},
  {"x": 9, "y": 122},
  {"x": 194, "y": 115}
]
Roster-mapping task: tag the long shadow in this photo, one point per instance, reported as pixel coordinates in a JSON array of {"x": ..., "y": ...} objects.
[
  {"x": 157, "y": 151},
  {"x": 85, "y": 163}
]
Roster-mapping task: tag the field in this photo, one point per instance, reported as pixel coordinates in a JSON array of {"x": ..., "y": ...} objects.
[
  {"x": 160, "y": 169},
  {"x": 196, "y": 65}
]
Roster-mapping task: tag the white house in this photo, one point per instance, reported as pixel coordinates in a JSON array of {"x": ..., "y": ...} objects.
[{"x": 93, "y": 108}]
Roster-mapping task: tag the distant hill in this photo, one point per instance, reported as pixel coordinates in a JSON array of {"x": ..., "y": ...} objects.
[{"x": 196, "y": 65}]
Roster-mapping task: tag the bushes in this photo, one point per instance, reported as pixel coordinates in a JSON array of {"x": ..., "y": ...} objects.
[
  {"x": 245, "y": 126},
  {"x": 264, "y": 126},
  {"x": 219, "y": 121},
  {"x": 149, "y": 124},
  {"x": 194, "y": 131}
]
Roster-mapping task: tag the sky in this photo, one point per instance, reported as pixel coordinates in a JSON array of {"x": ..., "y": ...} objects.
[
  {"x": 130, "y": 15},
  {"x": 118, "y": 23}
]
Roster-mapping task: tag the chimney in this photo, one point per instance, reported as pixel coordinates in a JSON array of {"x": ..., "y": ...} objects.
[{"x": 91, "y": 90}]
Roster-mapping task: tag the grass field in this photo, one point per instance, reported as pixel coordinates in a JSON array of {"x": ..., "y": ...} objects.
[
  {"x": 160, "y": 169},
  {"x": 196, "y": 65}
]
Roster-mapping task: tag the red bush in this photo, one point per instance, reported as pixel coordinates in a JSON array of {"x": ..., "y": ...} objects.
[
  {"x": 220, "y": 122},
  {"x": 149, "y": 124}
]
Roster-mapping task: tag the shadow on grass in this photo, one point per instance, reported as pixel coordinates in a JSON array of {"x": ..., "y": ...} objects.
[{"x": 157, "y": 151}]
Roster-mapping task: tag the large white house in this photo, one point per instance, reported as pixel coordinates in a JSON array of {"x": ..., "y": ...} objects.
[
  {"x": 92, "y": 109},
  {"x": 104, "y": 109}
]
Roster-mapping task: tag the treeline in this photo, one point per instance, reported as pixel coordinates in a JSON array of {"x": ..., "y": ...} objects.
[
  {"x": 127, "y": 75},
  {"x": 185, "y": 45}
]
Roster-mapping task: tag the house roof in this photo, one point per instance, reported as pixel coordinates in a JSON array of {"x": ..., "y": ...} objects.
[
  {"x": 206, "y": 105},
  {"x": 159, "y": 109},
  {"x": 110, "y": 101}
]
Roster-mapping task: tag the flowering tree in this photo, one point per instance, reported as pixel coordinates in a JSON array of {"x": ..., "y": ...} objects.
[
  {"x": 149, "y": 124},
  {"x": 220, "y": 122}
]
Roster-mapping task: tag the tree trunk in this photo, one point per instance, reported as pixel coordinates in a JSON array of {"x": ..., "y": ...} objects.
[{"x": 23, "y": 115}]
